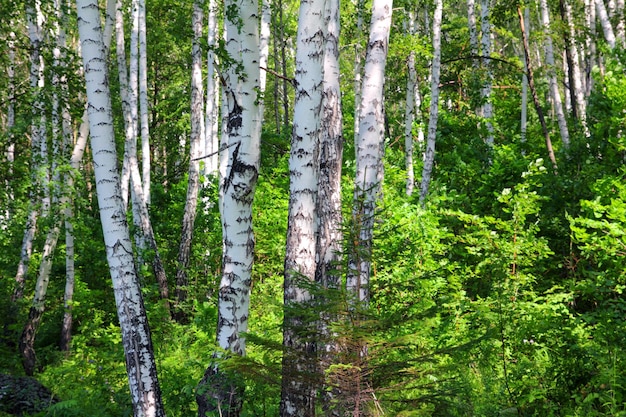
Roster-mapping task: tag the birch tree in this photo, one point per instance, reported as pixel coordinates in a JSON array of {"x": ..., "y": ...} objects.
[
  {"x": 576, "y": 79},
  {"x": 143, "y": 103},
  {"x": 410, "y": 110},
  {"x": 34, "y": 19},
  {"x": 533, "y": 90},
  {"x": 485, "y": 92},
  {"x": 193, "y": 176},
  {"x": 211, "y": 123},
  {"x": 551, "y": 69},
  {"x": 297, "y": 390},
  {"x": 136, "y": 339},
  {"x": 605, "y": 23},
  {"x": 429, "y": 154},
  {"x": 370, "y": 149},
  {"x": 242, "y": 135}
]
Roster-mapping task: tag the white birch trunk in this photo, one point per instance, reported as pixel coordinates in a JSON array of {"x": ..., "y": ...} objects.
[
  {"x": 473, "y": 32},
  {"x": 5, "y": 216},
  {"x": 77, "y": 156},
  {"x": 193, "y": 177},
  {"x": 130, "y": 147},
  {"x": 605, "y": 23},
  {"x": 143, "y": 104},
  {"x": 358, "y": 65},
  {"x": 211, "y": 164},
  {"x": 297, "y": 395},
  {"x": 524, "y": 112},
  {"x": 577, "y": 74},
  {"x": 264, "y": 41},
  {"x": 330, "y": 236},
  {"x": 409, "y": 115},
  {"x": 485, "y": 92},
  {"x": 370, "y": 150},
  {"x": 551, "y": 69},
  {"x": 429, "y": 154},
  {"x": 34, "y": 19},
  {"x": 140, "y": 364},
  {"x": 590, "y": 43},
  {"x": 242, "y": 134}
]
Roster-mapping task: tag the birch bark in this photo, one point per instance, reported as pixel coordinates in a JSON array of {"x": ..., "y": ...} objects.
[
  {"x": 143, "y": 104},
  {"x": 485, "y": 92},
  {"x": 298, "y": 391},
  {"x": 533, "y": 90},
  {"x": 429, "y": 154},
  {"x": 242, "y": 131},
  {"x": 551, "y": 69},
  {"x": 409, "y": 115},
  {"x": 211, "y": 123},
  {"x": 605, "y": 23},
  {"x": 330, "y": 237},
  {"x": 193, "y": 176},
  {"x": 140, "y": 364},
  {"x": 370, "y": 149},
  {"x": 34, "y": 19}
]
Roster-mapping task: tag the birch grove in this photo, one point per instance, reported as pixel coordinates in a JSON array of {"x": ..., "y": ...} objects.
[{"x": 314, "y": 279}]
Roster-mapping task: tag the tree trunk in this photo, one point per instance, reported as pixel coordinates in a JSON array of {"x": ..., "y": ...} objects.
[
  {"x": 429, "y": 154},
  {"x": 576, "y": 76},
  {"x": 211, "y": 164},
  {"x": 242, "y": 132},
  {"x": 330, "y": 237},
  {"x": 554, "y": 87},
  {"x": 136, "y": 339},
  {"x": 193, "y": 177},
  {"x": 409, "y": 115},
  {"x": 143, "y": 104},
  {"x": 298, "y": 389},
  {"x": 485, "y": 92},
  {"x": 524, "y": 112},
  {"x": 358, "y": 66},
  {"x": 77, "y": 156},
  {"x": 533, "y": 90},
  {"x": 605, "y": 23}
]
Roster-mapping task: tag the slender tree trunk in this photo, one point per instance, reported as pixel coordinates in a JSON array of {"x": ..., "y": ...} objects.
[
  {"x": 143, "y": 104},
  {"x": 77, "y": 156},
  {"x": 554, "y": 87},
  {"x": 409, "y": 115},
  {"x": 242, "y": 134},
  {"x": 370, "y": 150},
  {"x": 211, "y": 165},
  {"x": 605, "y": 23},
  {"x": 524, "y": 115},
  {"x": 485, "y": 92},
  {"x": 590, "y": 43},
  {"x": 145, "y": 233},
  {"x": 576, "y": 75},
  {"x": 473, "y": 32},
  {"x": 136, "y": 339},
  {"x": 33, "y": 17},
  {"x": 264, "y": 39},
  {"x": 429, "y": 155},
  {"x": 298, "y": 388},
  {"x": 533, "y": 90},
  {"x": 193, "y": 182},
  {"x": 330, "y": 237},
  {"x": 358, "y": 66}
]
